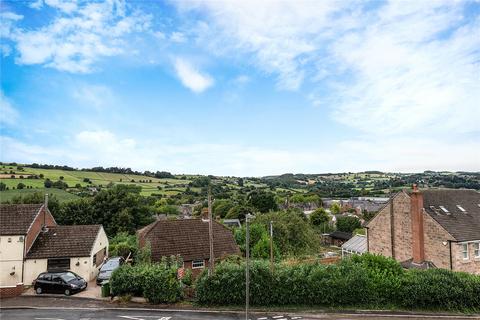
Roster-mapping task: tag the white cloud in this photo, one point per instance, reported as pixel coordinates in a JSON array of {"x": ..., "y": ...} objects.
[
  {"x": 282, "y": 35},
  {"x": 96, "y": 96},
  {"x": 191, "y": 77},
  {"x": 105, "y": 148},
  {"x": 178, "y": 37},
  {"x": 389, "y": 67},
  {"x": 8, "y": 114},
  {"x": 79, "y": 36}
]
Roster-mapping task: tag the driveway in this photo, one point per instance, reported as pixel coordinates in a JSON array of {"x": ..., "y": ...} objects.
[{"x": 92, "y": 291}]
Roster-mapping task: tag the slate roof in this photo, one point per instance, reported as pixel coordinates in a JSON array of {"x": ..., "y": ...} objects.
[
  {"x": 463, "y": 226},
  {"x": 340, "y": 235},
  {"x": 188, "y": 238},
  {"x": 64, "y": 242},
  {"x": 15, "y": 219}
]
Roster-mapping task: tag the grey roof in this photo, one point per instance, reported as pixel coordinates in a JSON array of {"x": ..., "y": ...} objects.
[
  {"x": 462, "y": 225},
  {"x": 357, "y": 243},
  {"x": 16, "y": 219},
  {"x": 340, "y": 235}
]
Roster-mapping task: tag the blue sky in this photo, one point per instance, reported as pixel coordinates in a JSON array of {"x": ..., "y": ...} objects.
[{"x": 242, "y": 88}]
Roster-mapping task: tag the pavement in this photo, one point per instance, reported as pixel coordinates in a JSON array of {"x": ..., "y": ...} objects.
[{"x": 72, "y": 308}]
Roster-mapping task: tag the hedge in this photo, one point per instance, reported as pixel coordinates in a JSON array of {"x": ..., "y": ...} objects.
[
  {"x": 366, "y": 281},
  {"x": 156, "y": 282}
]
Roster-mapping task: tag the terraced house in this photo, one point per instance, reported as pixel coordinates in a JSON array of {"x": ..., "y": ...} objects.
[
  {"x": 432, "y": 228},
  {"x": 31, "y": 242}
]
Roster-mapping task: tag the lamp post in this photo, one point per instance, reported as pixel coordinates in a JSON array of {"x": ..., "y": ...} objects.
[{"x": 247, "y": 265}]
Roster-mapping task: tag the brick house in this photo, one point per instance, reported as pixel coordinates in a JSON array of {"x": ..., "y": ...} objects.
[
  {"x": 431, "y": 228},
  {"x": 189, "y": 239},
  {"x": 31, "y": 242}
]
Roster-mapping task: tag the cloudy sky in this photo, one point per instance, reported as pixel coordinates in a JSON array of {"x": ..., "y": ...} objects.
[{"x": 242, "y": 88}]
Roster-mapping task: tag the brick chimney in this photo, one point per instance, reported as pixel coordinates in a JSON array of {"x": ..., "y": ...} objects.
[{"x": 416, "y": 212}]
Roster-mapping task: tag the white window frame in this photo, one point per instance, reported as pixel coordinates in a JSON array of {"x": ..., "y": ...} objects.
[
  {"x": 198, "y": 262},
  {"x": 476, "y": 249},
  {"x": 465, "y": 251}
]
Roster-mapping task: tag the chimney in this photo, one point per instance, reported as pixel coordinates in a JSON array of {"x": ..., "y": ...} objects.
[{"x": 416, "y": 212}]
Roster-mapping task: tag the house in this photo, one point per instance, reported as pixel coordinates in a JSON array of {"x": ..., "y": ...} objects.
[
  {"x": 336, "y": 238},
  {"x": 188, "y": 238},
  {"x": 356, "y": 245},
  {"x": 431, "y": 228},
  {"x": 31, "y": 242}
]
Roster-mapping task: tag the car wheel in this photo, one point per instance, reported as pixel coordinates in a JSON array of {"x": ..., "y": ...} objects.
[
  {"x": 38, "y": 290},
  {"x": 67, "y": 292}
]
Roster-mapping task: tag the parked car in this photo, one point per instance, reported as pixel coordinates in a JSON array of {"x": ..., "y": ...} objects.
[
  {"x": 108, "y": 267},
  {"x": 66, "y": 282}
]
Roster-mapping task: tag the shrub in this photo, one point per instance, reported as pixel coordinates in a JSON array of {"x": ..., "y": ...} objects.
[
  {"x": 156, "y": 282},
  {"x": 362, "y": 281}
]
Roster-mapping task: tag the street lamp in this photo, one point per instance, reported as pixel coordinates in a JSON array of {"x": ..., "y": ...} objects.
[{"x": 247, "y": 264}]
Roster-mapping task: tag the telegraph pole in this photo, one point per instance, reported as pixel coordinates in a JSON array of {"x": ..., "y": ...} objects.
[
  {"x": 271, "y": 246},
  {"x": 247, "y": 266},
  {"x": 211, "y": 264}
]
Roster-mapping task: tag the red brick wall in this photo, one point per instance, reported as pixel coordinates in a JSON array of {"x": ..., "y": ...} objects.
[
  {"x": 6, "y": 292},
  {"x": 195, "y": 272},
  {"x": 37, "y": 226}
]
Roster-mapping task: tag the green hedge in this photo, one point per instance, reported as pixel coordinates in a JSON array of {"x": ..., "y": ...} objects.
[
  {"x": 368, "y": 281},
  {"x": 156, "y": 282}
]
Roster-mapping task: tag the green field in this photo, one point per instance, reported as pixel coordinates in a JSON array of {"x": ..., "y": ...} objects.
[{"x": 61, "y": 195}]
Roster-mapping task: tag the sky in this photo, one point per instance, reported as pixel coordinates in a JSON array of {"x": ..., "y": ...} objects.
[{"x": 248, "y": 88}]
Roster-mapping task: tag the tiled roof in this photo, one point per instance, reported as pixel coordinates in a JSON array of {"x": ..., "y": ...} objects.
[
  {"x": 65, "y": 241},
  {"x": 188, "y": 238},
  {"x": 17, "y": 218},
  {"x": 462, "y": 225}
]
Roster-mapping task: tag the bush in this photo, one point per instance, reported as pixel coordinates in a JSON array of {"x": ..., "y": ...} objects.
[
  {"x": 157, "y": 283},
  {"x": 363, "y": 281}
]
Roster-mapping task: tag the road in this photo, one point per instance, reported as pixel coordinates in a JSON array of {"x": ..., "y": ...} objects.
[{"x": 129, "y": 314}]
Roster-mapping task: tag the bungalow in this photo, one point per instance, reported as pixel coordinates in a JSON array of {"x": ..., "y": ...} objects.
[
  {"x": 31, "y": 242},
  {"x": 189, "y": 239}
]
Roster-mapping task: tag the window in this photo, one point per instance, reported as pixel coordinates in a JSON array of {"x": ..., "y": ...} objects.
[
  {"x": 476, "y": 249},
  {"x": 9, "y": 240},
  {"x": 198, "y": 264},
  {"x": 465, "y": 251},
  {"x": 461, "y": 208},
  {"x": 20, "y": 239}
]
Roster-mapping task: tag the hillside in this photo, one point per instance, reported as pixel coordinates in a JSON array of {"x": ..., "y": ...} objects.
[{"x": 67, "y": 183}]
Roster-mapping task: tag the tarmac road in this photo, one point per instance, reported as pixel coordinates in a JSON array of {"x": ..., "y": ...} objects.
[{"x": 144, "y": 314}]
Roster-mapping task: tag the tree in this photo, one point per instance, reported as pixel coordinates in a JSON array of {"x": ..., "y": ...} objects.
[
  {"x": 319, "y": 217},
  {"x": 262, "y": 201},
  {"x": 41, "y": 175},
  {"x": 21, "y": 185},
  {"x": 292, "y": 234},
  {"x": 201, "y": 182},
  {"x": 257, "y": 231},
  {"x": 335, "y": 208},
  {"x": 48, "y": 183},
  {"x": 348, "y": 223},
  {"x": 167, "y": 209},
  {"x": 221, "y": 207},
  {"x": 261, "y": 250},
  {"x": 238, "y": 212},
  {"x": 3, "y": 186},
  {"x": 240, "y": 182}
]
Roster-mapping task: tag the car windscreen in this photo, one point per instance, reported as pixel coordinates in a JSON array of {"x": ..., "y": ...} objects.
[
  {"x": 68, "y": 276},
  {"x": 110, "y": 265}
]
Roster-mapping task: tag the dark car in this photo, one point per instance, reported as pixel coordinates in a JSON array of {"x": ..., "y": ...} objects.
[
  {"x": 66, "y": 282},
  {"x": 108, "y": 267}
]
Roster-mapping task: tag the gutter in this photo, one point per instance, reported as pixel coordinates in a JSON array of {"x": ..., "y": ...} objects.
[{"x": 450, "y": 253}]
